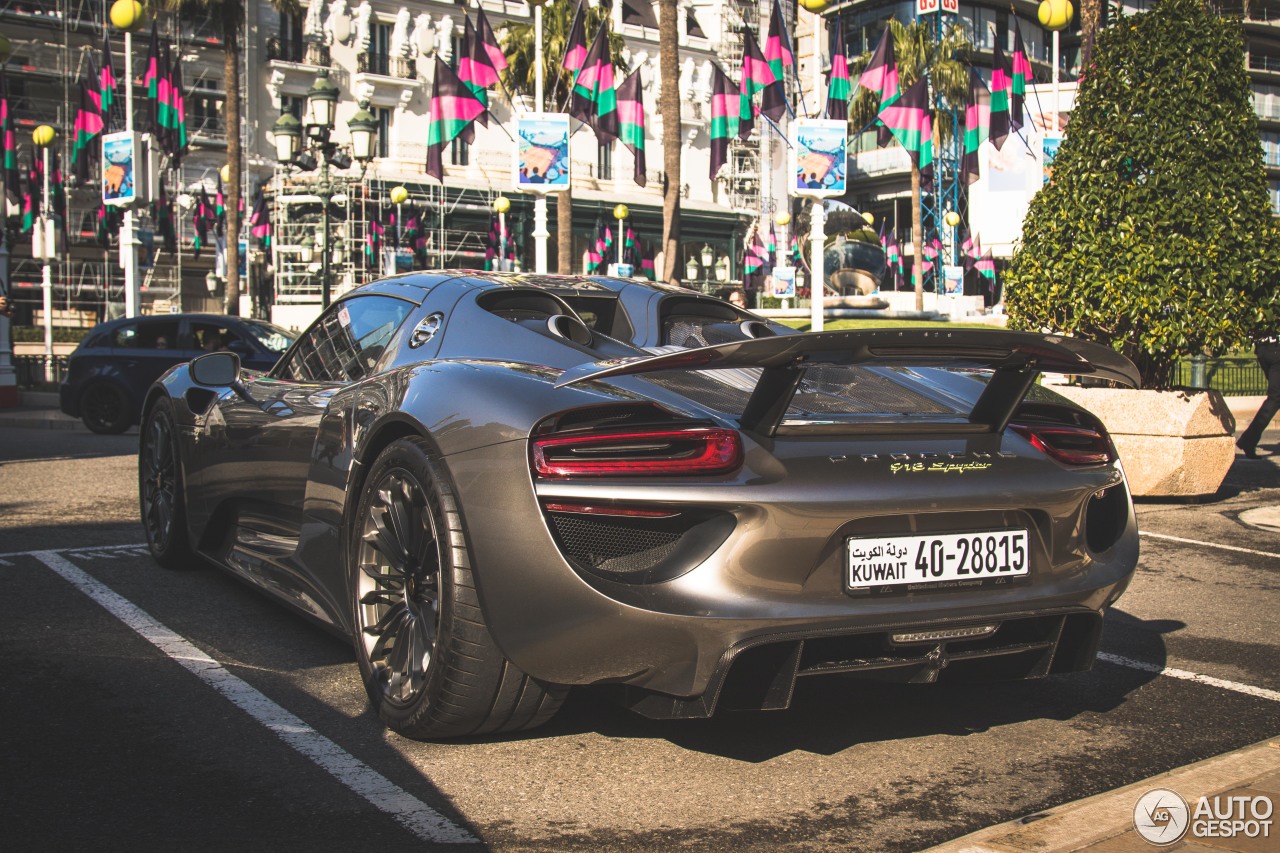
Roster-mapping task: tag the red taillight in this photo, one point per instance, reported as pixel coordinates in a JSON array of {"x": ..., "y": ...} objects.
[
  {"x": 1069, "y": 445},
  {"x": 653, "y": 452}
]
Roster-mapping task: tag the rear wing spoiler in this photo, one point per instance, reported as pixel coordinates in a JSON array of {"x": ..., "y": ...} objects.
[{"x": 1017, "y": 358}]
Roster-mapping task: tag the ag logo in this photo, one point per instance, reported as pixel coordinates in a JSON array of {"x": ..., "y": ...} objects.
[{"x": 1161, "y": 816}]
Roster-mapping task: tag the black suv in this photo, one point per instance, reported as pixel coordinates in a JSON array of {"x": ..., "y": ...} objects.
[{"x": 110, "y": 371}]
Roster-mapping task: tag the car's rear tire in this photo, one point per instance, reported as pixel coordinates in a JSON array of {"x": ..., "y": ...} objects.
[
  {"x": 104, "y": 408},
  {"x": 162, "y": 501},
  {"x": 426, "y": 657}
]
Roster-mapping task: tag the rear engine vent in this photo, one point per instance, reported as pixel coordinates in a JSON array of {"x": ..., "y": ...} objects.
[
  {"x": 635, "y": 544},
  {"x": 1105, "y": 517}
]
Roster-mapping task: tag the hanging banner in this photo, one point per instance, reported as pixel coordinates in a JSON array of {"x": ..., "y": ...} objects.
[
  {"x": 819, "y": 161},
  {"x": 541, "y": 160},
  {"x": 119, "y": 156}
]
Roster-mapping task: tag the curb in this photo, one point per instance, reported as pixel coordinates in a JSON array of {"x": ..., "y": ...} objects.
[
  {"x": 40, "y": 419},
  {"x": 1105, "y": 816}
]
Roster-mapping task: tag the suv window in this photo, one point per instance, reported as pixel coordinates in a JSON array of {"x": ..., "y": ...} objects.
[
  {"x": 146, "y": 334},
  {"x": 212, "y": 337},
  {"x": 347, "y": 341}
]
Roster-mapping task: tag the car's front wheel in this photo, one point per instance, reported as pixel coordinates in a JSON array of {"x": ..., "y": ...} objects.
[
  {"x": 427, "y": 659},
  {"x": 161, "y": 497},
  {"x": 105, "y": 409}
]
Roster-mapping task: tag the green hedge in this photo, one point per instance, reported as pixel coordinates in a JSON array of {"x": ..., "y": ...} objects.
[{"x": 35, "y": 334}]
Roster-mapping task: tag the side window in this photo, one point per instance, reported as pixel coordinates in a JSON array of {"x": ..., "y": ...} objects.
[
  {"x": 347, "y": 341},
  {"x": 147, "y": 335},
  {"x": 211, "y": 337}
]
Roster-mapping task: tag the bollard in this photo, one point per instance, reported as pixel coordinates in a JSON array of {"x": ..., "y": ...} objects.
[{"x": 1198, "y": 363}]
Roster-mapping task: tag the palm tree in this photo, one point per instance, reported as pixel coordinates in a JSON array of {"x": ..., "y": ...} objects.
[
  {"x": 1090, "y": 20},
  {"x": 520, "y": 77},
  {"x": 669, "y": 106},
  {"x": 920, "y": 51},
  {"x": 229, "y": 17}
]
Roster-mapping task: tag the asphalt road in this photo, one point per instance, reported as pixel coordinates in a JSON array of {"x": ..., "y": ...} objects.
[{"x": 144, "y": 709}]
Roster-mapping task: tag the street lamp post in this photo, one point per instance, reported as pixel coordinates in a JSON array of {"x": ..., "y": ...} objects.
[
  {"x": 321, "y": 110},
  {"x": 501, "y": 205},
  {"x": 126, "y": 15},
  {"x": 620, "y": 213},
  {"x": 43, "y": 247},
  {"x": 8, "y": 376},
  {"x": 540, "y": 232}
]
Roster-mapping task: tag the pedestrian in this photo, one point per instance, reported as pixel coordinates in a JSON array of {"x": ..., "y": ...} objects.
[
  {"x": 6, "y": 307},
  {"x": 1268, "y": 352}
]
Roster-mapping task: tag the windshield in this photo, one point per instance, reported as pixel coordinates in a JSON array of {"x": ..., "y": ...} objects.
[{"x": 272, "y": 337}]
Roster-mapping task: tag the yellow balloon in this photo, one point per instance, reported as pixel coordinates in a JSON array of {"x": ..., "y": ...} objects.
[
  {"x": 783, "y": 219},
  {"x": 126, "y": 14},
  {"x": 621, "y": 212},
  {"x": 1056, "y": 14},
  {"x": 399, "y": 194},
  {"x": 815, "y": 5},
  {"x": 502, "y": 204},
  {"x": 43, "y": 135},
  {"x": 225, "y": 173},
  {"x": 952, "y": 218}
]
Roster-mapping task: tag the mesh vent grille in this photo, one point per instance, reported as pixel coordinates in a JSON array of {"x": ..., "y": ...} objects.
[
  {"x": 826, "y": 389},
  {"x": 619, "y": 546}
]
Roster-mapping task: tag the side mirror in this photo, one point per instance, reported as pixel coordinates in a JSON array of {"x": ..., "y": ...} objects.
[{"x": 216, "y": 370}]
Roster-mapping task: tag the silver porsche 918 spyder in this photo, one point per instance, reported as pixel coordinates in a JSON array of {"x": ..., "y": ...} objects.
[{"x": 500, "y": 486}]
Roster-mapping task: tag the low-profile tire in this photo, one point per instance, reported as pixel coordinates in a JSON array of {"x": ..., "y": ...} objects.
[
  {"x": 104, "y": 408},
  {"x": 427, "y": 659},
  {"x": 162, "y": 500}
]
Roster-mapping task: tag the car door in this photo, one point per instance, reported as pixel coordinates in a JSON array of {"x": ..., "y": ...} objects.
[
  {"x": 142, "y": 352},
  {"x": 258, "y": 446}
]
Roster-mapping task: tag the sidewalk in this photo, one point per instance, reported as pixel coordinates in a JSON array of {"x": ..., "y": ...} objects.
[
  {"x": 38, "y": 411},
  {"x": 1105, "y": 823}
]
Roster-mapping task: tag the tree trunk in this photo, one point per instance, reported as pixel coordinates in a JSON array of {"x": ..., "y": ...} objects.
[
  {"x": 231, "y": 298},
  {"x": 564, "y": 233},
  {"x": 1090, "y": 19},
  {"x": 669, "y": 107},
  {"x": 917, "y": 238}
]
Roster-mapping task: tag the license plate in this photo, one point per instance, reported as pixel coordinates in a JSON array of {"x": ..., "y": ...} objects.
[{"x": 904, "y": 563}]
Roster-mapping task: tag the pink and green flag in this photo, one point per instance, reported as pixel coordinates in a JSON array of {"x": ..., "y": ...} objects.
[
  {"x": 838, "y": 88},
  {"x": 452, "y": 110},
  {"x": 756, "y": 76},
  {"x": 909, "y": 120},
  {"x": 8, "y": 146},
  {"x": 106, "y": 81},
  {"x": 1022, "y": 75},
  {"x": 87, "y": 126},
  {"x": 575, "y": 48},
  {"x": 1001, "y": 92},
  {"x": 977, "y": 115},
  {"x": 494, "y": 59},
  {"x": 753, "y": 255},
  {"x": 35, "y": 190},
  {"x": 986, "y": 267},
  {"x": 724, "y": 118},
  {"x": 777, "y": 52},
  {"x": 881, "y": 77},
  {"x": 631, "y": 121},
  {"x": 472, "y": 70},
  {"x": 594, "y": 100}
]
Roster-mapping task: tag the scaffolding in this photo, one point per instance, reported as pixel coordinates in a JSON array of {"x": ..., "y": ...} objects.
[{"x": 743, "y": 181}]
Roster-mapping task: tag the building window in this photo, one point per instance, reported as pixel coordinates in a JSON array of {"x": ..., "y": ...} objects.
[
  {"x": 206, "y": 108},
  {"x": 604, "y": 162},
  {"x": 382, "y": 144},
  {"x": 460, "y": 152},
  {"x": 289, "y": 47},
  {"x": 293, "y": 105},
  {"x": 378, "y": 58}
]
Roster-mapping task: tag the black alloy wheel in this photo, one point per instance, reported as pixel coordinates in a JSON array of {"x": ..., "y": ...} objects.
[
  {"x": 398, "y": 588},
  {"x": 161, "y": 500},
  {"x": 429, "y": 664},
  {"x": 104, "y": 409}
]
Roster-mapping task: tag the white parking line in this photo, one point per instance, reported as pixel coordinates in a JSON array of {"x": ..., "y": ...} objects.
[
  {"x": 410, "y": 812},
  {"x": 1209, "y": 544},
  {"x": 1247, "y": 689}
]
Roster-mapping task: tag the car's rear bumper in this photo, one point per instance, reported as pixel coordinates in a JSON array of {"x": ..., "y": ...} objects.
[{"x": 770, "y": 598}]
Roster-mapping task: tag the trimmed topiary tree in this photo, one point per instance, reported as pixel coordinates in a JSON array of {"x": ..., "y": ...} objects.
[{"x": 1155, "y": 234}]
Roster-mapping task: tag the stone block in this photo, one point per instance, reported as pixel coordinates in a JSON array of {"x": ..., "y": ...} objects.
[{"x": 1171, "y": 443}]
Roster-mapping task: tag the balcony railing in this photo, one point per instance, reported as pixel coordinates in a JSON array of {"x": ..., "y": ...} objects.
[
  {"x": 304, "y": 53},
  {"x": 387, "y": 66}
]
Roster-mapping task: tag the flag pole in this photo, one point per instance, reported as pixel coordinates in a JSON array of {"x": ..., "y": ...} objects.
[
  {"x": 817, "y": 216},
  {"x": 540, "y": 232}
]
